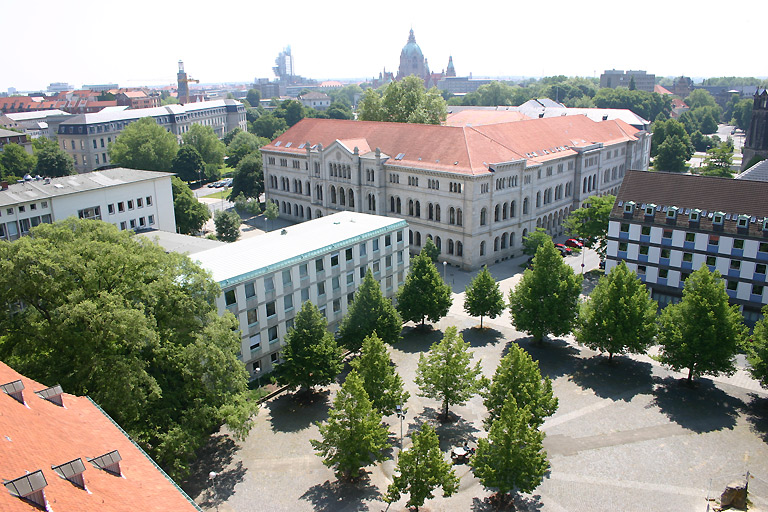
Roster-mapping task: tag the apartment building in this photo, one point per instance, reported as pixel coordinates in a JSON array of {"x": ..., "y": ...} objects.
[
  {"x": 266, "y": 279},
  {"x": 666, "y": 225}
]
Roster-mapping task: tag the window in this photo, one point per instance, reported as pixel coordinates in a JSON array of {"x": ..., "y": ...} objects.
[
  {"x": 111, "y": 209},
  {"x": 287, "y": 278},
  {"x": 271, "y": 309},
  {"x": 362, "y": 272},
  {"x": 288, "y": 302},
  {"x": 230, "y": 298},
  {"x": 363, "y": 249},
  {"x": 321, "y": 288},
  {"x": 348, "y": 254},
  {"x": 350, "y": 278},
  {"x": 250, "y": 290},
  {"x": 376, "y": 267},
  {"x": 663, "y": 273},
  {"x": 350, "y": 297},
  {"x": 149, "y": 200},
  {"x": 334, "y": 260},
  {"x": 757, "y": 289},
  {"x": 735, "y": 265},
  {"x": 711, "y": 260},
  {"x": 375, "y": 244},
  {"x": 130, "y": 204},
  {"x": 335, "y": 284},
  {"x": 667, "y": 234},
  {"x": 641, "y": 270},
  {"x": 142, "y": 221},
  {"x": 387, "y": 240},
  {"x": 269, "y": 284},
  {"x": 623, "y": 246},
  {"x": 336, "y": 305},
  {"x": 399, "y": 256},
  {"x": 624, "y": 228},
  {"x": 687, "y": 256},
  {"x": 645, "y": 230},
  {"x": 304, "y": 295},
  {"x": 123, "y": 226},
  {"x": 763, "y": 247},
  {"x": 120, "y": 207},
  {"x": 139, "y": 203},
  {"x": 738, "y": 244},
  {"x": 253, "y": 316},
  {"x": 760, "y": 268},
  {"x": 151, "y": 219},
  {"x": 319, "y": 265},
  {"x": 133, "y": 223},
  {"x": 255, "y": 341},
  {"x": 644, "y": 250},
  {"x": 714, "y": 240},
  {"x": 273, "y": 337},
  {"x": 690, "y": 237},
  {"x": 733, "y": 285},
  {"x": 665, "y": 253}
]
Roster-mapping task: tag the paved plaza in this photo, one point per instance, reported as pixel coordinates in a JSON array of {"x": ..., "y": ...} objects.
[{"x": 627, "y": 436}]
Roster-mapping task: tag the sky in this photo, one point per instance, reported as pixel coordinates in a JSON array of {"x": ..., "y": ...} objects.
[{"x": 140, "y": 42}]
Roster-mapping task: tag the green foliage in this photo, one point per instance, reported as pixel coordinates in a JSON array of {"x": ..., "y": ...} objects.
[
  {"x": 757, "y": 350},
  {"x": 117, "y": 318},
  {"x": 405, "y": 101},
  {"x": 144, "y": 145},
  {"x": 512, "y": 458},
  {"x": 380, "y": 379},
  {"x": 310, "y": 355},
  {"x": 742, "y": 114},
  {"x": 15, "y": 160},
  {"x": 353, "y": 436},
  {"x": 735, "y": 81},
  {"x": 271, "y": 211},
  {"x": 290, "y": 110},
  {"x": 534, "y": 240},
  {"x": 445, "y": 374},
  {"x": 105, "y": 96},
  {"x": 518, "y": 377},
  {"x": 591, "y": 222},
  {"x": 619, "y": 315},
  {"x": 431, "y": 250},
  {"x": 672, "y": 155},
  {"x": 205, "y": 141},
  {"x": 52, "y": 161},
  {"x": 703, "y": 332},
  {"x": 190, "y": 213},
  {"x": 249, "y": 177},
  {"x": 242, "y": 145},
  {"x": 253, "y": 97},
  {"x": 701, "y": 142},
  {"x": 268, "y": 126},
  {"x": 700, "y": 98},
  {"x": 424, "y": 294},
  {"x": 483, "y": 297},
  {"x": 369, "y": 313},
  {"x": 647, "y": 105},
  {"x": 546, "y": 299},
  {"x": 227, "y": 224},
  {"x": 718, "y": 161},
  {"x": 662, "y": 130},
  {"x": 339, "y": 111},
  {"x": 188, "y": 164},
  {"x": 421, "y": 469},
  {"x": 231, "y": 134}
]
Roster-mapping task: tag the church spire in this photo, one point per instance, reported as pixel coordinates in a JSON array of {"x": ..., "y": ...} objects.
[{"x": 450, "y": 71}]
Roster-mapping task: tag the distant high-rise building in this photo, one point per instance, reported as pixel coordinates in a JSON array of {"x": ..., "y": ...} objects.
[
  {"x": 613, "y": 78},
  {"x": 182, "y": 84},
  {"x": 284, "y": 65},
  {"x": 59, "y": 87},
  {"x": 756, "y": 143}
]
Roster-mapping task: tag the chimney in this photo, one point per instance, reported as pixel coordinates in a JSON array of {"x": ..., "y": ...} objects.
[{"x": 3, "y": 185}]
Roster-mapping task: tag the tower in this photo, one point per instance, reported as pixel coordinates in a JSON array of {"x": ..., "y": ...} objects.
[
  {"x": 412, "y": 61},
  {"x": 450, "y": 71},
  {"x": 182, "y": 86},
  {"x": 756, "y": 143}
]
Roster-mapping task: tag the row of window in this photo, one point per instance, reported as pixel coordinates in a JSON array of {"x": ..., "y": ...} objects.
[
  {"x": 690, "y": 236},
  {"x": 730, "y": 284},
  {"x": 22, "y": 208},
  {"x": 141, "y": 222},
  {"x": 121, "y": 205},
  {"x": 14, "y": 229}
]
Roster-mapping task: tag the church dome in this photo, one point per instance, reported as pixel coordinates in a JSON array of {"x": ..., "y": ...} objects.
[{"x": 411, "y": 49}]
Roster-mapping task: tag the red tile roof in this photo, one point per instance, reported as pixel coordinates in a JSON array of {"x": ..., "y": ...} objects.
[
  {"x": 40, "y": 434},
  {"x": 659, "y": 89},
  {"x": 460, "y": 149},
  {"x": 480, "y": 117}
]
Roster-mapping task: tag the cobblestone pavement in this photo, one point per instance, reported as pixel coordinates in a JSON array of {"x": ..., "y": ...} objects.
[{"x": 626, "y": 437}]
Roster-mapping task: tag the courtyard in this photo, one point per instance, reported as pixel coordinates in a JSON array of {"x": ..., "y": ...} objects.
[{"x": 627, "y": 436}]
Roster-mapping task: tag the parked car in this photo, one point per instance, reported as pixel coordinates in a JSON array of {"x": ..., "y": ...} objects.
[
  {"x": 602, "y": 265},
  {"x": 572, "y": 242},
  {"x": 563, "y": 249}
]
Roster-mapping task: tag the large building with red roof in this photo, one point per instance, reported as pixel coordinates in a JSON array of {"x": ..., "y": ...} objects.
[
  {"x": 61, "y": 452},
  {"x": 475, "y": 190}
]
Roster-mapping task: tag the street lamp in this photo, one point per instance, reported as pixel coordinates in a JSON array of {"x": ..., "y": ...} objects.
[
  {"x": 445, "y": 265},
  {"x": 212, "y": 475},
  {"x": 400, "y": 414}
]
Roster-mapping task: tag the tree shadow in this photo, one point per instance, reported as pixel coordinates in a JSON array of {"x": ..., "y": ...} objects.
[
  {"x": 477, "y": 337},
  {"x": 556, "y": 357},
  {"x": 518, "y": 502},
  {"x": 339, "y": 495},
  {"x": 757, "y": 415},
  {"x": 415, "y": 339},
  {"x": 216, "y": 455},
  {"x": 621, "y": 379},
  {"x": 703, "y": 408},
  {"x": 591, "y": 279},
  {"x": 287, "y": 414},
  {"x": 452, "y": 433}
]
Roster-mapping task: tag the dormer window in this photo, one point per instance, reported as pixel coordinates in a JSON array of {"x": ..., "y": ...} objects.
[
  {"x": 650, "y": 210},
  {"x": 109, "y": 462},
  {"x": 743, "y": 221},
  {"x": 29, "y": 487},
  {"x": 717, "y": 218},
  {"x": 72, "y": 471},
  {"x": 14, "y": 389},
  {"x": 629, "y": 207},
  {"x": 765, "y": 224},
  {"x": 672, "y": 212},
  {"x": 694, "y": 215},
  {"x": 52, "y": 394}
]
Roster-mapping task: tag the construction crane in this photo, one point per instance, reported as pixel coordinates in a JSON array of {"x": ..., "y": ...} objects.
[{"x": 183, "y": 84}]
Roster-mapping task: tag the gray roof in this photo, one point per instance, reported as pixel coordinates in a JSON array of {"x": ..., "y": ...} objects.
[
  {"x": 34, "y": 190},
  {"x": 182, "y": 244},
  {"x": 111, "y": 115},
  {"x": 9, "y": 133},
  {"x": 39, "y": 114},
  {"x": 758, "y": 172}
]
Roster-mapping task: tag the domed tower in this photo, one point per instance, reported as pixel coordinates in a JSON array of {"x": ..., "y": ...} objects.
[
  {"x": 412, "y": 61},
  {"x": 450, "y": 71},
  {"x": 756, "y": 143}
]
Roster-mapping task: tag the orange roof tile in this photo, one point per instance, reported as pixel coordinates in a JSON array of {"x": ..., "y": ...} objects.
[
  {"x": 660, "y": 89},
  {"x": 479, "y": 117},
  {"x": 40, "y": 434}
]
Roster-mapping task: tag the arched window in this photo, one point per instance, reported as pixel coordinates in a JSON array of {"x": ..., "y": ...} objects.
[
  {"x": 512, "y": 208},
  {"x": 483, "y": 214},
  {"x": 351, "y": 198},
  {"x": 525, "y": 206},
  {"x": 342, "y": 197},
  {"x": 538, "y": 199},
  {"x": 410, "y": 237},
  {"x": 504, "y": 241},
  {"x": 504, "y": 211},
  {"x": 398, "y": 205},
  {"x": 307, "y": 188},
  {"x": 410, "y": 207},
  {"x": 459, "y": 249},
  {"x": 418, "y": 209},
  {"x": 372, "y": 203},
  {"x": 482, "y": 248},
  {"x": 584, "y": 187},
  {"x": 459, "y": 217},
  {"x": 450, "y": 246},
  {"x": 333, "y": 194},
  {"x": 496, "y": 244},
  {"x": 452, "y": 216},
  {"x": 437, "y": 213},
  {"x": 431, "y": 212},
  {"x": 418, "y": 239},
  {"x": 496, "y": 214},
  {"x": 295, "y": 210},
  {"x": 318, "y": 214},
  {"x": 438, "y": 242},
  {"x": 392, "y": 203},
  {"x": 309, "y": 213}
]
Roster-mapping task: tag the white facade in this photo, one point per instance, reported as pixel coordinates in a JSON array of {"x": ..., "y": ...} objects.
[
  {"x": 266, "y": 279},
  {"x": 128, "y": 198}
]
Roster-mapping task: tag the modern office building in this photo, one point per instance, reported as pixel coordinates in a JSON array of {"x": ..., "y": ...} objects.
[
  {"x": 475, "y": 190},
  {"x": 666, "y": 225},
  {"x": 613, "y": 78},
  {"x": 41, "y": 123},
  {"x": 266, "y": 279},
  {"x": 128, "y": 198},
  {"x": 87, "y": 137},
  {"x": 62, "y": 452}
]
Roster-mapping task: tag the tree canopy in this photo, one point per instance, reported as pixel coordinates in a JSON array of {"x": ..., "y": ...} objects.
[
  {"x": 757, "y": 350},
  {"x": 227, "y": 224},
  {"x": 242, "y": 145},
  {"x": 117, "y": 318},
  {"x": 619, "y": 316},
  {"x": 534, "y": 240},
  {"x": 248, "y": 179},
  {"x": 15, "y": 161},
  {"x": 405, "y": 101},
  {"x": 53, "y": 162},
  {"x": 380, "y": 379},
  {"x": 702, "y": 332},
  {"x": 647, "y": 105},
  {"x": 370, "y": 312},
  {"x": 211, "y": 149},
  {"x": 591, "y": 222},
  {"x": 188, "y": 164},
  {"x": 144, "y": 145},
  {"x": 190, "y": 213},
  {"x": 424, "y": 294},
  {"x": 482, "y": 297}
]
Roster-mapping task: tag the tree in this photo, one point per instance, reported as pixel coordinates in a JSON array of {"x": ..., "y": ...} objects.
[
  {"x": 700, "y": 98},
  {"x": 671, "y": 156},
  {"x": 483, "y": 298},
  {"x": 188, "y": 164},
  {"x": 757, "y": 350},
  {"x": 253, "y": 97},
  {"x": 512, "y": 458},
  {"x": 669, "y": 128},
  {"x": 227, "y": 224},
  {"x": 339, "y": 111},
  {"x": 742, "y": 113},
  {"x": 370, "y": 312},
  {"x": 405, "y": 101},
  {"x": 424, "y": 294},
  {"x": 211, "y": 149},
  {"x": 619, "y": 316},
  {"x": 242, "y": 145},
  {"x": 590, "y": 222},
  {"x": 290, "y": 110},
  {"x": 231, "y": 134},
  {"x": 431, "y": 250},
  {"x": 546, "y": 299},
  {"x": 380, "y": 379},
  {"x": 53, "y": 162},
  {"x": 445, "y": 373},
  {"x": 702, "y": 332},
  {"x": 117, "y": 318},
  {"x": 268, "y": 126},
  {"x": 718, "y": 161},
  {"x": 144, "y": 145},
  {"x": 534, "y": 240},
  {"x": 16, "y": 161},
  {"x": 422, "y": 469},
  {"x": 310, "y": 355},
  {"x": 249, "y": 177},
  {"x": 353, "y": 436},
  {"x": 190, "y": 213},
  {"x": 271, "y": 211},
  {"x": 646, "y": 104},
  {"x": 518, "y": 377},
  {"x": 632, "y": 84}
]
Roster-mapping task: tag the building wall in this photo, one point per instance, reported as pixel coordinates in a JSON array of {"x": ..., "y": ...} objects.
[{"x": 265, "y": 306}]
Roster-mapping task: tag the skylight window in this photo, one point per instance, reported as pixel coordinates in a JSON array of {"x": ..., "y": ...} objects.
[
  {"x": 288, "y": 144},
  {"x": 278, "y": 143}
]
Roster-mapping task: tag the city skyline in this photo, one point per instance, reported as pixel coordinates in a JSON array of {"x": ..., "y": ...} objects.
[{"x": 346, "y": 42}]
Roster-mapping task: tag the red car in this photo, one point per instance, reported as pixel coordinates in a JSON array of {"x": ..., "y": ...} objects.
[
  {"x": 563, "y": 249},
  {"x": 572, "y": 242}
]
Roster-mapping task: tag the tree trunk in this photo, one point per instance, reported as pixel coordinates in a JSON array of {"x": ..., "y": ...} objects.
[
  {"x": 445, "y": 410},
  {"x": 610, "y": 357},
  {"x": 481, "y": 321},
  {"x": 690, "y": 375}
]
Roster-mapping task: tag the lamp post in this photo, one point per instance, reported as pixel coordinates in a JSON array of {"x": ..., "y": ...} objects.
[
  {"x": 583, "y": 251},
  {"x": 445, "y": 265},
  {"x": 400, "y": 414},
  {"x": 212, "y": 475}
]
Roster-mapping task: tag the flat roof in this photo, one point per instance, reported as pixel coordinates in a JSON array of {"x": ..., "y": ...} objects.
[
  {"x": 35, "y": 189},
  {"x": 182, "y": 244},
  {"x": 249, "y": 258},
  {"x": 110, "y": 115}
]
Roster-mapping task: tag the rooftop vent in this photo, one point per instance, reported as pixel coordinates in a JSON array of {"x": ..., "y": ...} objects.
[
  {"x": 284, "y": 232},
  {"x": 109, "y": 462},
  {"x": 29, "y": 487},
  {"x": 14, "y": 389},
  {"x": 52, "y": 394},
  {"x": 72, "y": 471}
]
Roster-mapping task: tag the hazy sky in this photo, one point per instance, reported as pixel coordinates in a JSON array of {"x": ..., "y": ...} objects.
[{"x": 139, "y": 42}]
